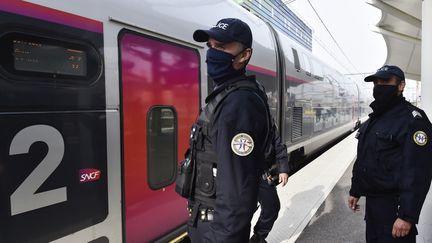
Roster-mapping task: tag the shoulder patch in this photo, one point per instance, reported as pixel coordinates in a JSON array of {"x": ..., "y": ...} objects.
[
  {"x": 416, "y": 114},
  {"x": 420, "y": 138},
  {"x": 242, "y": 144}
]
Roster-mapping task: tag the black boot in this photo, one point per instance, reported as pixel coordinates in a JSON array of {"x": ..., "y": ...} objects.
[{"x": 257, "y": 239}]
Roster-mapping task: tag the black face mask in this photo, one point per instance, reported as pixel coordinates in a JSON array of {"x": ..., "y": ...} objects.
[
  {"x": 384, "y": 93},
  {"x": 220, "y": 64},
  {"x": 386, "y": 96}
]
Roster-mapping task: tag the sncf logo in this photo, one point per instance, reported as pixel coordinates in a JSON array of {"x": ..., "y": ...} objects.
[{"x": 87, "y": 175}]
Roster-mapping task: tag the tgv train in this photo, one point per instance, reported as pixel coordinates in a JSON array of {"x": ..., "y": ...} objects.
[{"x": 96, "y": 102}]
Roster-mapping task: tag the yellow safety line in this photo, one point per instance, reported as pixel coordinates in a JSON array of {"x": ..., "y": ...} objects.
[{"x": 179, "y": 238}]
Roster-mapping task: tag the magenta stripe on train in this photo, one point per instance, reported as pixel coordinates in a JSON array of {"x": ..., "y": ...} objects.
[{"x": 51, "y": 15}]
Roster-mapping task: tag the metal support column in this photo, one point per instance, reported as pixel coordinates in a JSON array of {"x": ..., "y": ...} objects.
[
  {"x": 426, "y": 58},
  {"x": 426, "y": 104}
]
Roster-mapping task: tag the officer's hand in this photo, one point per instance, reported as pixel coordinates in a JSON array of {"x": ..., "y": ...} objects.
[
  {"x": 283, "y": 178},
  {"x": 401, "y": 228},
  {"x": 269, "y": 180},
  {"x": 352, "y": 203}
]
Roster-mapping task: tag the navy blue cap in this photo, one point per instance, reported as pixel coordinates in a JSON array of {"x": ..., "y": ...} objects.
[
  {"x": 386, "y": 72},
  {"x": 226, "y": 31}
]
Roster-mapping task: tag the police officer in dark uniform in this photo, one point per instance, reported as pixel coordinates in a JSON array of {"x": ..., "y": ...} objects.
[
  {"x": 393, "y": 169},
  {"x": 228, "y": 141},
  {"x": 267, "y": 194}
]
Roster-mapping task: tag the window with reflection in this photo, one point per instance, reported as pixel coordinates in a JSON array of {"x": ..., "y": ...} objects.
[{"x": 162, "y": 146}]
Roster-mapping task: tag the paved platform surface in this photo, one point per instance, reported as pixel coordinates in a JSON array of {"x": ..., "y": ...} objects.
[
  {"x": 307, "y": 190},
  {"x": 334, "y": 222}
]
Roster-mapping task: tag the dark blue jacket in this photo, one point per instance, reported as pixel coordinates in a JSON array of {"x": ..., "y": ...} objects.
[
  {"x": 243, "y": 111},
  {"x": 394, "y": 157}
]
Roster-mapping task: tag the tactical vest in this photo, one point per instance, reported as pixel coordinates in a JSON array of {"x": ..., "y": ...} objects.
[{"x": 202, "y": 149}]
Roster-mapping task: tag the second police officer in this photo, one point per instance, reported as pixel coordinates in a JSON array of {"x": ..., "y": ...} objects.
[
  {"x": 393, "y": 169},
  {"x": 277, "y": 172}
]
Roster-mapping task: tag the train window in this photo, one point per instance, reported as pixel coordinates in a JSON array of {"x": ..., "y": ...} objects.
[
  {"x": 28, "y": 57},
  {"x": 317, "y": 70},
  {"x": 307, "y": 65},
  {"x": 296, "y": 60},
  {"x": 162, "y": 146},
  {"x": 288, "y": 57}
]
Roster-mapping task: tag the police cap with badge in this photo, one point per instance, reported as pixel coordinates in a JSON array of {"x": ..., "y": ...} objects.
[
  {"x": 226, "y": 31},
  {"x": 386, "y": 72}
]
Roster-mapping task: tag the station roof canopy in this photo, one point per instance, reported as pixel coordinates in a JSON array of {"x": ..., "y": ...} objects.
[{"x": 400, "y": 26}]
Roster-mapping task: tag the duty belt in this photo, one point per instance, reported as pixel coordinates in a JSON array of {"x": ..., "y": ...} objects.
[{"x": 204, "y": 214}]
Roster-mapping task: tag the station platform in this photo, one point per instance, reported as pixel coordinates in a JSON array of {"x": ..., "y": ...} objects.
[{"x": 314, "y": 202}]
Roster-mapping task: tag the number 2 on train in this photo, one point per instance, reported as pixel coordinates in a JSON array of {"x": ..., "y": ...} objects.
[{"x": 25, "y": 198}]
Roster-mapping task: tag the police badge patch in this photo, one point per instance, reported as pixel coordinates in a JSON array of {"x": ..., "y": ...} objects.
[
  {"x": 420, "y": 138},
  {"x": 242, "y": 144}
]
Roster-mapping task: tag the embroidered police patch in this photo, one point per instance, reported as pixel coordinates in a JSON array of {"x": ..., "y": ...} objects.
[
  {"x": 242, "y": 144},
  {"x": 420, "y": 138}
]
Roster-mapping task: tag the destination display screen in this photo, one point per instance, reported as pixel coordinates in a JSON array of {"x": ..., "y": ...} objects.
[{"x": 32, "y": 56}]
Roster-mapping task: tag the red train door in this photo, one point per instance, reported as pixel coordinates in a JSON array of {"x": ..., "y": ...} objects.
[{"x": 160, "y": 101}]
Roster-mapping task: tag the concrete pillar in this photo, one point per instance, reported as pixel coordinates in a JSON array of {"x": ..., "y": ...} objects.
[{"x": 426, "y": 58}]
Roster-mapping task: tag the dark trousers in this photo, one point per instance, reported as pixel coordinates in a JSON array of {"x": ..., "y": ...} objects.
[
  {"x": 197, "y": 233},
  {"x": 381, "y": 213},
  {"x": 270, "y": 205},
  {"x": 198, "y": 230}
]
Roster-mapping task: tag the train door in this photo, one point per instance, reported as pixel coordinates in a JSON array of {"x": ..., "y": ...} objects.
[
  {"x": 53, "y": 153},
  {"x": 160, "y": 101}
]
